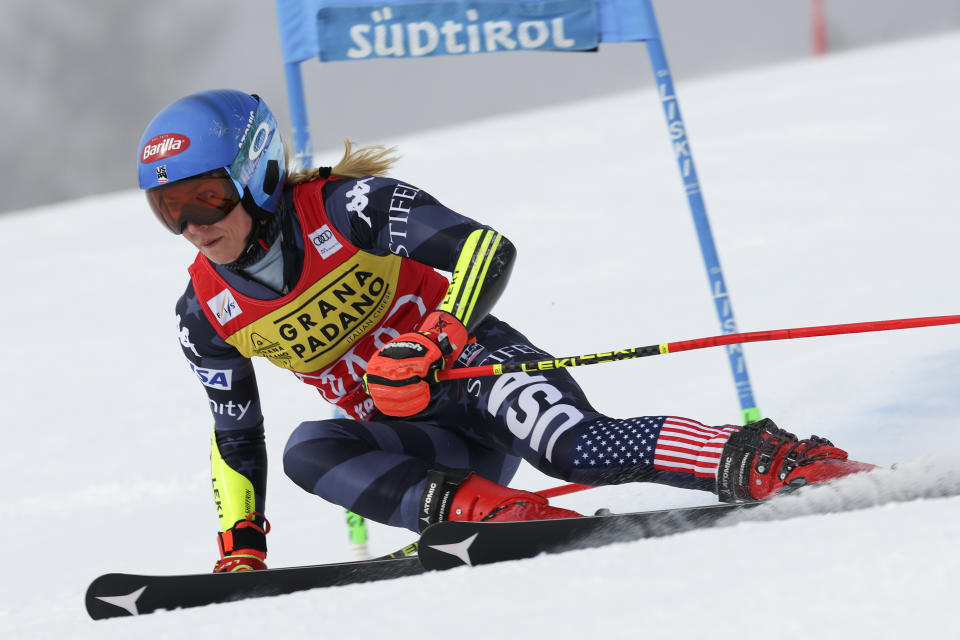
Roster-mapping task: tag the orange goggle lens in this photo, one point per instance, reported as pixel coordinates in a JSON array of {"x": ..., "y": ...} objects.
[{"x": 203, "y": 199}]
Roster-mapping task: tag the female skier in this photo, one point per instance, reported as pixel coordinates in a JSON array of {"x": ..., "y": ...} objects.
[{"x": 331, "y": 273}]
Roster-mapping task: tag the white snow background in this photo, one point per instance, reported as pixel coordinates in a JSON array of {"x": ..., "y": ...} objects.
[{"x": 831, "y": 185}]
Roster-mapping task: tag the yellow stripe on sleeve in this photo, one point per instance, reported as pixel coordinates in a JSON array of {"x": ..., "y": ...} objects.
[
  {"x": 485, "y": 266},
  {"x": 449, "y": 303},
  {"x": 232, "y": 492},
  {"x": 469, "y": 272}
]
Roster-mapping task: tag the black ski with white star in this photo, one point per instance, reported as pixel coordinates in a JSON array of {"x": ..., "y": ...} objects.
[
  {"x": 122, "y": 594},
  {"x": 452, "y": 544},
  {"x": 441, "y": 546}
]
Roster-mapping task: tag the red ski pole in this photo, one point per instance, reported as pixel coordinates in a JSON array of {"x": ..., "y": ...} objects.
[
  {"x": 563, "y": 490},
  {"x": 688, "y": 345}
]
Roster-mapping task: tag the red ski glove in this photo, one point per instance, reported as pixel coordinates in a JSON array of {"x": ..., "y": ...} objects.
[
  {"x": 761, "y": 460},
  {"x": 243, "y": 547},
  {"x": 399, "y": 375}
]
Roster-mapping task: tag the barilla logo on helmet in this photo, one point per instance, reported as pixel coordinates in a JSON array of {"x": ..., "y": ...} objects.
[{"x": 163, "y": 146}]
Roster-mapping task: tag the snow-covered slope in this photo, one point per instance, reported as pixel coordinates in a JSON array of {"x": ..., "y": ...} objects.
[{"x": 830, "y": 187}]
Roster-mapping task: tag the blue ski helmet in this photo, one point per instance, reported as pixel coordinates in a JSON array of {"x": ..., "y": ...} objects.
[{"x": 210, "y": 130}]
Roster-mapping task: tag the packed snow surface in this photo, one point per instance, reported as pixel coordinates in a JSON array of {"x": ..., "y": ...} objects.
[{"x": 830, "y": 185}]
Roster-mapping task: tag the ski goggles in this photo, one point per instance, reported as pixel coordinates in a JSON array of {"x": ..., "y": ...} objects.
[{"x": 202, "y": 199}]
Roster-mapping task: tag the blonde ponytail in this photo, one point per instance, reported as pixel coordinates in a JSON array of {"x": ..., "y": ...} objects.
[{"x": 375, "y": 160}]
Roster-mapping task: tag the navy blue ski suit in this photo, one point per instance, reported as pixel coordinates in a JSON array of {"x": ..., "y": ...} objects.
[{"x": 377, "y": 466}]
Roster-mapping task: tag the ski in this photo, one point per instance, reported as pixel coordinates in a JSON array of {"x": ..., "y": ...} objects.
[
  {"x": 123, "y": 594},
  {"x": 452, "y": 544},
  {"x": 441, "y": 546}
]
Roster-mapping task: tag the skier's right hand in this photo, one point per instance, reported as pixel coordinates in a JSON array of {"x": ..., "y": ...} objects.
[
  {"x": 243, "y": 547},
  {"x": 399, "y": 376}
]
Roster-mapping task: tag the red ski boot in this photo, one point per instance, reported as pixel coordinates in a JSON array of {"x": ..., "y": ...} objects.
[
  {"x": 761, "y": 460},
  {"x": 243, "y": 547},
  {"x": 462, "y": 495}
]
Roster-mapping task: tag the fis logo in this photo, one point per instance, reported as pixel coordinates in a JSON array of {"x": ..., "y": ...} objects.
[
  {"x": 224, "y": 307},
  {"x": 325, "y": 242},
  {"x": 214, "y": 378}
]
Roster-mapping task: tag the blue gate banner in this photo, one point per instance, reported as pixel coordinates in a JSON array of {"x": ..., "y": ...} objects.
[
  {"x": 455, "y": 28},
  {"x": 334, "y": 30}
]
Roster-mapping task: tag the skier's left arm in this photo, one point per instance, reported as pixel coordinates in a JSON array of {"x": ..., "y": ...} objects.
[
  {"x": 382, "y": 215},
  {"x": 484, "y": 260}
]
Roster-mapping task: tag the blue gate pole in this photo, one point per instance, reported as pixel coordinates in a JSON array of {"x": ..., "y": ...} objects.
[
  {"x": 303, "y": 150},
  {"x": 681, "y": 148}
]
